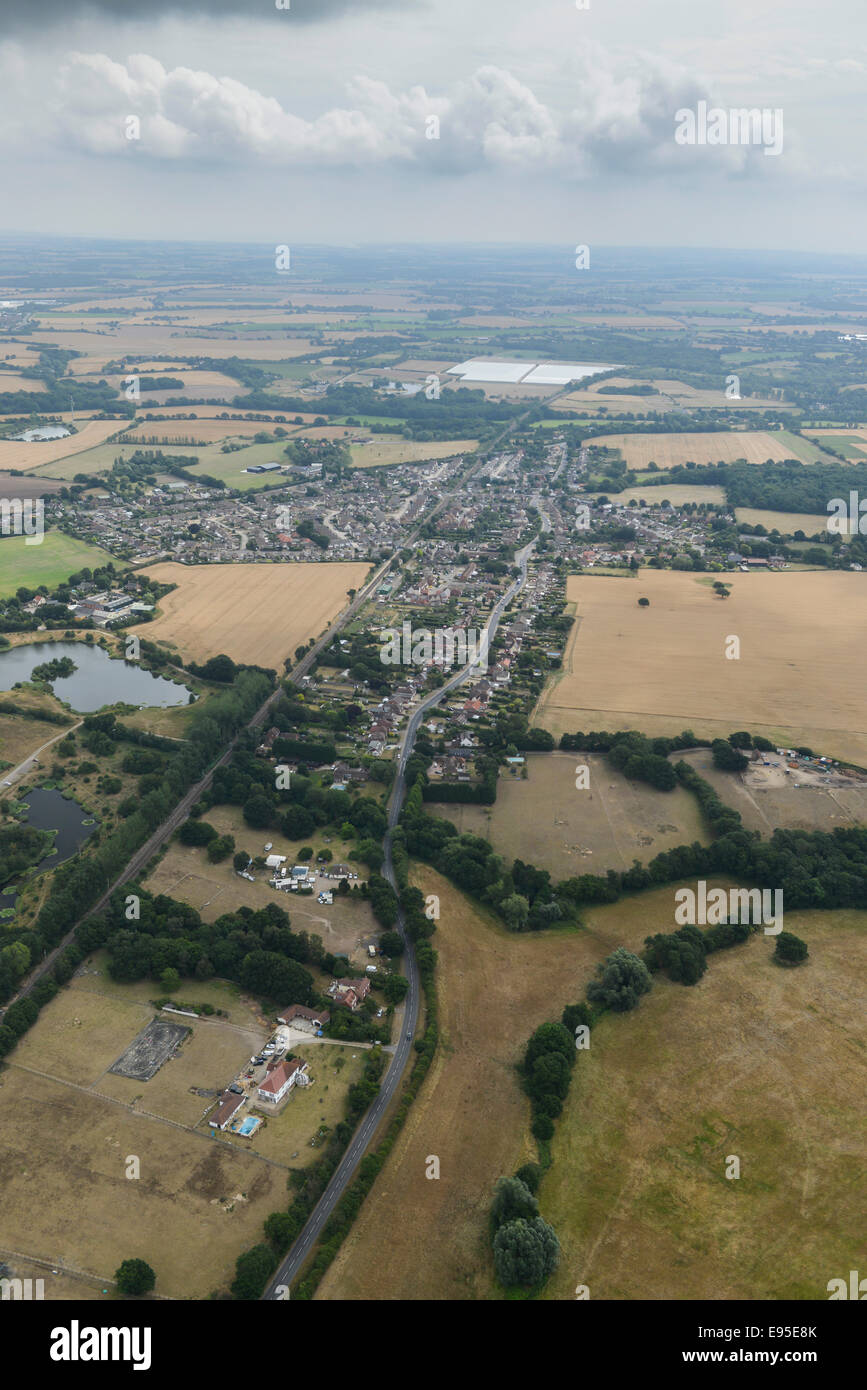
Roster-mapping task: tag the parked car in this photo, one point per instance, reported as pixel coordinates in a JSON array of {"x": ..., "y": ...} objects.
[{"x": 238, "y": 1090}]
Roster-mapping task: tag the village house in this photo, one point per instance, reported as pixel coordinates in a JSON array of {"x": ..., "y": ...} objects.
[
  {"x": 228, "y": 1108},
  {"x": 281, "y": 1078},
  {"x": 349, "y": 994}
]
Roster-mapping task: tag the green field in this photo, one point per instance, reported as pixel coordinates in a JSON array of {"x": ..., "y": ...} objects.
[
  {"x": 228, "y": 467},
  {"x": 803, "y": 449},
  {"x": 54, "y": 559}
]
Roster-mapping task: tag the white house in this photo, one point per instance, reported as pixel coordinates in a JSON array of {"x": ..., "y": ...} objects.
[{"x": 280, "y": 1080}]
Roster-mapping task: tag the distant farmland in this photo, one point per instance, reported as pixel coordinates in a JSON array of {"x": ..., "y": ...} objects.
[
  {"x": 254, "y": 613},
  {"x": 666, "y": 450}
]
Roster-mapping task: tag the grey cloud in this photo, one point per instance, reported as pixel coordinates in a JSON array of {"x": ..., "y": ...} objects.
[{"x": 38, "y": 14}]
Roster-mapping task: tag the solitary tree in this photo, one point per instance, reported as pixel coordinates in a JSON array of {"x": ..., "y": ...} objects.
[
  {"x": 623, "y": 978},
  {"x": 644, "y": 603},
  {"x": 134, "y": 1277}
]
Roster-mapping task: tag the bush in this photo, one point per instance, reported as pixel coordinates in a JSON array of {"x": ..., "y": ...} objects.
[
  {"x": 791, "y": 950},
  {"x": 623, "y": 978}
]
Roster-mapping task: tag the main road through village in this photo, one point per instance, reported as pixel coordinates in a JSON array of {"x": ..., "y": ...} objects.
[{"x": 306, "y": 1240}]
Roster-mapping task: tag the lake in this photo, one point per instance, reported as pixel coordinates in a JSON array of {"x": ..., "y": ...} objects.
[
  {"x": 98, "y": 681},
  {"x": 40, "y": 432}
]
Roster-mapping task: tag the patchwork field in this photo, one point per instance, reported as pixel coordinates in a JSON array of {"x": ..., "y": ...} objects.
[
  {"x": 55, "y": 558},
  {"x": 637, "y": 1191},
  {"x": 668, "y": 449},
  {"x": 547, "y": 821},
  {"x": 383, "y": 450},
  {"x": 253, "y": 613},
  {"x": 663, "y": 669}
]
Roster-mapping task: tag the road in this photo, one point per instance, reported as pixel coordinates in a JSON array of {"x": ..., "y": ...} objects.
[
  {"x": 27, "y": 766},
  {"x": 291, "y": 1265}
]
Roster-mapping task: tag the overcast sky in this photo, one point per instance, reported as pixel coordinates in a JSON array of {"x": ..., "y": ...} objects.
[{"x": 312, "y": 123}]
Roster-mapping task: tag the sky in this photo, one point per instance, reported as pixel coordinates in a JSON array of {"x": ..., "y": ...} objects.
[{"x": 355, "y": 121}]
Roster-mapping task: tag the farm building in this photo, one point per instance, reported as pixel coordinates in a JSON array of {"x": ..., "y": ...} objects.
[{"x": 308, "y": 1020}]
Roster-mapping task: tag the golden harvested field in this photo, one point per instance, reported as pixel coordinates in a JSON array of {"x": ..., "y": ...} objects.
[
  {"x": 799, "y": 679},
  {"x": 384, "y": 450},
  {"x": 11, "y": 381},
  {"x": 140, "y": 340},
  {"x": 549, "y": 822},
  {"x": 637, "y": 1192},
  {"x": 30, "y": 456},
  {"x": 196, "y": 383},
  {"x": 495, "y": 988},
  {"x": 254, "y": 613},
  {"x": 785, "y": 522},
  {"x": 675, "y": 493},
  {"x": 756, "y": 446}
]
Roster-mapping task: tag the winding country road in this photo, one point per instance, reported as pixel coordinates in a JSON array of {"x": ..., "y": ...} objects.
[{"x": 343, "y": 1173}]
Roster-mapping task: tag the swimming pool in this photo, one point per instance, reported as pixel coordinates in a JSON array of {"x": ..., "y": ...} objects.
[{"x": 249, "y": 1126}]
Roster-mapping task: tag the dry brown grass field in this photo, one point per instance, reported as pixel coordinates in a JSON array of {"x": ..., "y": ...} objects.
[
  {"x": 185, "y": 873},
  {"x": 801, "y": 807},
  {"x": 548, "y": 822},
  {"x": 11, "y": 381},
  {"x": 799, "y": 678},
  {"x": 29, "y": 456},
  {"x": 756, "y": 446},
  {"x": 675, "y": 493},
  {"x": 63, "y": 1152},
  {"x": 636, "y": 1193},
  {"x": 757, "y": 1061},
  {"x": 381, "y": 451},
  {"x": 785, "y": 522},
  {"x": 253, "y": 613},
  {"x": 495, "y": 988}
]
